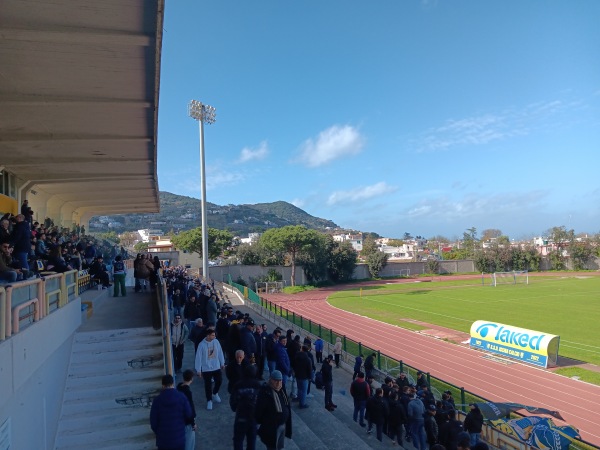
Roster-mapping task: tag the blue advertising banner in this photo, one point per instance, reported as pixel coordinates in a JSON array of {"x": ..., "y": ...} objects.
[{"x": 529, "y": 346}]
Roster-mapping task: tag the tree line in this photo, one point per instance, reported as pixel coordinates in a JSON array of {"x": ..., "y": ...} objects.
[{"x": 324, "y": 259}]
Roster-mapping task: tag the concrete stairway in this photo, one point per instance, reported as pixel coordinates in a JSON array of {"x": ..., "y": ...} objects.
[{"x": 112, "y": 376}]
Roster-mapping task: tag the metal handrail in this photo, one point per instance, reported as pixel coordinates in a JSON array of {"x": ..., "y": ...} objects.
[
  {"x": 3, "y": 314},
  {"x": 161, "y": 292}
]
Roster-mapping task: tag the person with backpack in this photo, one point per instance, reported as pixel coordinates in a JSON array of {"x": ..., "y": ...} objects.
[
  {"x": 370, "y": 365},
  {"x": 327, "y": 372},
  {"x": 119, "y": 273},
  {"x": 360, "y": 392},
  {"x": 358, "y": 361},
  {"x": 243, "y": 402}
]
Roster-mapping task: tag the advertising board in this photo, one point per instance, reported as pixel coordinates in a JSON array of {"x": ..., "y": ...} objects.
[{"x": 529, "y": 346}]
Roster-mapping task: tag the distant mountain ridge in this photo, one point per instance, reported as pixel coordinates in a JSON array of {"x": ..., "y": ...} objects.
[{"x": 179, "y": 212}]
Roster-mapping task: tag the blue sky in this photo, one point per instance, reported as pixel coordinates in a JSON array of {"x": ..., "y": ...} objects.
[{"x": 428, "y": 117}]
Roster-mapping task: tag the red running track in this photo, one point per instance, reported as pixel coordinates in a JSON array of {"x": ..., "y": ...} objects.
[{"x": 578, "y": 402}]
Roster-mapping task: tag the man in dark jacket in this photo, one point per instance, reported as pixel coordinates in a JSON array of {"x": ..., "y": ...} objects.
[
  {"x": 449, "y": 431},
  {"x": 190, "y": 425},
  {"x": 21, "y": 241},
  {"x": 402, "y": 381},
  {"x": 169, "y": 414},
  {"x": 303, "y": 371},
  {"x": 222, "y": 329},
  {"x": 243, "y": 402},
  {"x": 427, "y": 396},
  {"x": 98, "y": 272},
  {"x": 260, "y": 337},
  {"x": 473, "y": 424},
  {"x": 421, "y": 381},
  {"x": 431, "y": 426},
  {"x": 327, "y": 371},
  {"x": 273, "y": 413},
  {"x": 397, "y": 419},
  {"x": 270, "y": 346},
  {"x": 197, "y": 332},
  {"x": 360, "y": 392},
  {"x": 248, "y": 343},
  {"x": 282, "y": 363},
  {"x": 377, "y": 412},
  {"x": 370, "y": 365},
  {"x": 235, "y": 370},
  {"x": 191, "y": 310}
]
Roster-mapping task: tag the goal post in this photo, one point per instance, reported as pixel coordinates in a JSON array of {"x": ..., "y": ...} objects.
[
  {"x": 514, "y": 277},
  {"x": 405, "y": 273},
  {"x": 269, "y": 287}
]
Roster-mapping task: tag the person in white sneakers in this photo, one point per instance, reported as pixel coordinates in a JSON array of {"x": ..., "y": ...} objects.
[{"x": 209, "y": 365}]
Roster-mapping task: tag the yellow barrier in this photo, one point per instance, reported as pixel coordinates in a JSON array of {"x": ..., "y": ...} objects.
[
  {"x": 10, "y": 325},
  {"x": 66, "y": 286},
  {"x": 45, "y": 306},
  {"x": 47, "y": 303},
  {"x": 16, "y": 318}
]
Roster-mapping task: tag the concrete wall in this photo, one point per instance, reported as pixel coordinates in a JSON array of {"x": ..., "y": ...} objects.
[
  {"x": 361, "y": 271},
  {"x": 220, "y": 273},
  {"x": 33, "y": 371}
]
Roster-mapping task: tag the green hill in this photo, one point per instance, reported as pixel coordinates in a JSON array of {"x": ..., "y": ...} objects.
[{"x": 178, "y": 212}]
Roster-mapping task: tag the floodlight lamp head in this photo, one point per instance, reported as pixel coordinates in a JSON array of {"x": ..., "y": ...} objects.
[{"x": 204, "y": 113}]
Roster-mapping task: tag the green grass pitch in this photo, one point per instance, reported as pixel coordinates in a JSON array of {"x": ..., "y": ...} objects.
[{"x": 567, "y": 305}]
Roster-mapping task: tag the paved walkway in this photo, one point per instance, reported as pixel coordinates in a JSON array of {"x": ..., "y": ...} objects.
[{"x": 110, "y": 313}]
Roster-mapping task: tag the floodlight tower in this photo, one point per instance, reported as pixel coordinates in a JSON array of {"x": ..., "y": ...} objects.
[{"x": 202, "y": 113}]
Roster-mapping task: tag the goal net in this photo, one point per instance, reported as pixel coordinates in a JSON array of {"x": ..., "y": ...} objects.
[
  {"x": 269, "y": 287},
  {"x": 514, "y": 277},
  {"x": 400, "y": 273}
]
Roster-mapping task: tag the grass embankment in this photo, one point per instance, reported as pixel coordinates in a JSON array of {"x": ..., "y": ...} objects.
[{"x": 588, "y": 376}]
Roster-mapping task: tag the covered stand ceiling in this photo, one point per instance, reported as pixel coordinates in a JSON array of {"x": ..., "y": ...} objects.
[{"x": 79, "y": 84}]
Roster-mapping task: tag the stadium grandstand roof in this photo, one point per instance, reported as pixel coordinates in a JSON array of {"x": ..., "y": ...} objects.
[{"x": 79, "y": 86}]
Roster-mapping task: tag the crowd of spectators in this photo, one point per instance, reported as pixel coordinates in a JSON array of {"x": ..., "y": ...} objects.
[
  {"x": 409, "y": 411},
  {"x": 230, "y": 343},
  {"x": 245, "y": 351},
  {"x": 30, "y": 248}
]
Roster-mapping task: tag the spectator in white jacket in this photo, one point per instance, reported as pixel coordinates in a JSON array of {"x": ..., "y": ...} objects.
[{"x": 209, "y": 365}]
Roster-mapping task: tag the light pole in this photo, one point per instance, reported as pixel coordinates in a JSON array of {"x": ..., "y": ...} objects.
[{"x": 202, "y": 113}]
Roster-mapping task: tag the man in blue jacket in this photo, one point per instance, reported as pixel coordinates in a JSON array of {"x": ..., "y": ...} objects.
[
  {"x": 169, "y": 414},
  {"x": 282, "y": 362}
]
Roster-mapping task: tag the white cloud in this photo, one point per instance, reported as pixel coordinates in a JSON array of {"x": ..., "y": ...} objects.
[
  {"x": 490, "y": 127},
  {"x": 298, "y": 202},
  {"x": 360, "y": 193},
  {"x": 215, "y": 178},
  {"x": 254, "y": 154},
  {"x": 476, "y": 205},
  {"x": 333, "y": 143}
]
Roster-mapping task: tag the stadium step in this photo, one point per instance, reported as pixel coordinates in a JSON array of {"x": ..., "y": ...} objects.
[{"x": 112, "y": 377}]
